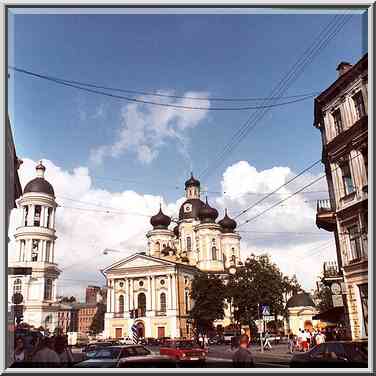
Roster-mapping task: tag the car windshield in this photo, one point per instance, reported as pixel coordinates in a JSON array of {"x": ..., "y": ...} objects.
[
  {"x": 108, "y": 353},
  {"x": 134, "y": 351},
  {"x": 184, "y": 345}
]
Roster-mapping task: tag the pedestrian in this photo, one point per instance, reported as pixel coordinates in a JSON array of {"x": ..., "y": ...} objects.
[
  {"x": 290, "y": 342},
  {"x": 267, "y": 344},
  {"x": 46, "y": 356},
  {"x": 243, "y": 358},
  {"x": 201, "y": 341},
  {"x": 320, "y": 338},
  {"x": 20, "y": 355},
  {"x": 305, "y": 340},
  {"x": 63, "y": 351}
]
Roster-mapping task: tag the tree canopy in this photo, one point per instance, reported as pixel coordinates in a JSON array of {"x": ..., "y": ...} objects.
[{"x": 208, "y": 294}]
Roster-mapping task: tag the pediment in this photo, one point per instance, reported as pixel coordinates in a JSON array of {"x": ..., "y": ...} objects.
[{"x": 137, "y": 261}]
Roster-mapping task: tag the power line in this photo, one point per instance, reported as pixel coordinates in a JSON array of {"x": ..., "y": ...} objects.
[
  {"x": 278, "y": 91},
  {"x": 280, "y": 187},
  {"x": 136, "y": 100},
  {"x": 155, "y": 93}
]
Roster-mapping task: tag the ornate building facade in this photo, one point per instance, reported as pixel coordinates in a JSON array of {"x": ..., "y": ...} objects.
[
  {"x": 34, "y": 273},
  {"x": 152, "y": 289},
  {"x": 341, "y": 115}
]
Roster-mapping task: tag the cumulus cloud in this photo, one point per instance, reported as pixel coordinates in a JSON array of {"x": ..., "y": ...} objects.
[
  {"x": 144, "y": 129},
  {"x": 89, "y": 220}
]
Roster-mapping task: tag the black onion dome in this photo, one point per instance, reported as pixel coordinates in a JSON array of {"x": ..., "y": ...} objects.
[
  {"x": 227, "y": 223},
  {"x": 190, "y": 208},
  {"x": 176, "y": 231},
  {"x": 39, "y": 185},
  {"x": 192, "y": 182},
  {"x": 207, "y": 213},
  {"x": 301, "y": 299},
  {"x": 160, "y": 220}
]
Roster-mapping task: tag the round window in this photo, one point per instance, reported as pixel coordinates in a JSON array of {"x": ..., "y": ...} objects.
[
  {"x": 141, "y": 283},
  {"x": 162, "y": 282}
]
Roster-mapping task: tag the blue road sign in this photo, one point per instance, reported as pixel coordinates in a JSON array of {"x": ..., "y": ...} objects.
[{"x": 265, "y": 310}]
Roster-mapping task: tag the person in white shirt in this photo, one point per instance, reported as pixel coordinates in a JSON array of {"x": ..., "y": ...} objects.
[
  {"x": 320, "y": 338},
  {"x": 47, "y": 356}
]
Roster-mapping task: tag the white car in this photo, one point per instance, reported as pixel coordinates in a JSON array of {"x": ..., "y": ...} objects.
[{"x": 126, "y": 341}]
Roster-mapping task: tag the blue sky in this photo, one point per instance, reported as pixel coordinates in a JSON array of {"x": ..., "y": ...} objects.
[
  {"x": 148, "y": 151},
  {"x": 222, "y": 55}
]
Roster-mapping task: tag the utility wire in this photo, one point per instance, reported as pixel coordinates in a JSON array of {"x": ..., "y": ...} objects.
[
  {"x": 130, "y": 99},
  {"x": 155, "y": 93},
  {"x": 276, "y": 190},
  {"x": 323, "y": 39}
]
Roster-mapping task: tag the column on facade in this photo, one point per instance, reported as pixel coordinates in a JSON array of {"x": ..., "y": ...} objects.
[
  {"x": 54, "y": 290},
  {"x": 126, "y": 293},
  {"x": 41, "y": 218},
  {"x": 29, "y": 245},
  {"x": 131, "y": 292},
  {"x": 173, "y": 280},
  {"x": 30, "y": 218},
  {"x": 169, "y": 291},
  {"x": 153, "y": 294},
  {"x": 113, "y": 296},
  {"x": 53, "y": 218},
  {"x": 149, "y": 299},
  {"x": 108, "y": 297},
  {"x": 52, "y": 250}
]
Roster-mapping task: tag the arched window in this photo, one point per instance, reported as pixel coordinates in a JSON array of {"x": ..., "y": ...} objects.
[
  {"x": 121, "y": 303},
  {"x": 34, "y": 251},
  {"x": 189, "y": 244},
  {"x": 233, "y": 258},
  {"x": 158, "y": 245},
  {"x": 48, "y": 251},
  {"x": 141, "y": 300},
  {"x": 214, "y": 253},
  {"x": 26, "y": 213},
  {"x": 162, "y": 302},
  {"x": 37, "y": 213},
  {"x": 233, "y": 250},
  {"x": 17, "y": 286},
  {"x": 186, "y": 301},
  {"x": 48, "y": 289}
]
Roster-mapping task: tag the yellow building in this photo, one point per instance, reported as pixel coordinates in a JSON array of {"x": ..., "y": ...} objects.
[{"x": 155, "y": 285}]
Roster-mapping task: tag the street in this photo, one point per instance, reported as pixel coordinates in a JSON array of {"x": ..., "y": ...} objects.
[{"x": 220, "y": 356}]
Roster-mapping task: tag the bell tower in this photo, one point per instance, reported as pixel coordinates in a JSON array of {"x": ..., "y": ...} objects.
[{"x": 35, "y": 246}]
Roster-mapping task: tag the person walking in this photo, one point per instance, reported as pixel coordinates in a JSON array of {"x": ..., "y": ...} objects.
[
  {"x": 290, "y": 342},
  {"x": 63, "y": 351},
  {"x": 243, "y": 358},
  {"x": 20, "y": 355},
  {"x": 320, "y": 338},
  {"x": 267, "y": 344},
  {"x": 46, "y": 356}
]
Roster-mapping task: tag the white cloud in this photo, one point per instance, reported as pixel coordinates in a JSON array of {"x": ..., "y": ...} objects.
[
  {"x": 144, "y": 129},
  {"x": 84, "y": 232}
]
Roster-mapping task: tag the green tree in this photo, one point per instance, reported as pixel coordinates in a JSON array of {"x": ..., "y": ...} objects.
[
  {"x": 208, "y": 294},
  {"x": 323, "y": 296},
  {"x": 259, "y": 282},
  {"x": 97, "y": 325}
]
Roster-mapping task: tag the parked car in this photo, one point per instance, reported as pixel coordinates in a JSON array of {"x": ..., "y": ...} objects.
[
  {"x": 184, "y": 351},
  {"x": 92, "y": 348},
  {"x": 125, "y": 341},
  {"x": 148, "y": 361},
  {"x": 334, "y": 354},
  {"x": 108, "y": 357},
  {"x": 151, "y": 341},
  {"x": 216, "y": 340}
]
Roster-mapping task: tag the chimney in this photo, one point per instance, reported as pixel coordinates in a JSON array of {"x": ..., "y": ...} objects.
[{"x": 343, "y": 67}]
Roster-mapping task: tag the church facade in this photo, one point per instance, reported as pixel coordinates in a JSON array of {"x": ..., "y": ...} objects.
[
  {"x": 152, "y": 289},
  {"x": 34, "y": 273}
]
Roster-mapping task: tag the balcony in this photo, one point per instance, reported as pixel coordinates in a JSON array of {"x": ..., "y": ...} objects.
[
  {"x": 325, "y": 215},
  {"x": 331, "y": 270}
]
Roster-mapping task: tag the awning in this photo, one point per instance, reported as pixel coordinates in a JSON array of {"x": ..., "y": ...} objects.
[{"x": 333, "y": 315}]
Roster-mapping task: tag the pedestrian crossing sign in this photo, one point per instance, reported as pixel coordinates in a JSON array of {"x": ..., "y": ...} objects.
[{"x": 265, "y": 310}]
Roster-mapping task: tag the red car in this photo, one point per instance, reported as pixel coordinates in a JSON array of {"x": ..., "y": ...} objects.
[{"x": 184, "y": 351}]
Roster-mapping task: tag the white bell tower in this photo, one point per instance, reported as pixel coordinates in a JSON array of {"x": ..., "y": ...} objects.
[{"x": 34, "y": 273}]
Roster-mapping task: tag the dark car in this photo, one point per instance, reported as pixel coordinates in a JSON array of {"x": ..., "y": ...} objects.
[
  {"x": 333, "y": 354},
  {"x": 148, "y": 361},
  {"x": 216, "y": 340},
  {"x": 92, "y": 348},
  {"x": 108, "y": 357}
]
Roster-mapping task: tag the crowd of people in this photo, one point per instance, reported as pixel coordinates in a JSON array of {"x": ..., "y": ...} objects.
[
  {"x": 42, "y": 352},
  {"x": 306, "y": 339}
]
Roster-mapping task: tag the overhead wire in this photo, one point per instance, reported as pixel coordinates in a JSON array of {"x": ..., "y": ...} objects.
[
  {"x": 323, "y": 39},
  {"x": 148, "y": 102}
]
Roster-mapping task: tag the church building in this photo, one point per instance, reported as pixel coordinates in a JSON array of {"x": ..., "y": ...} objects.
[
  {"x": 34, "y": 273},
  {"x": 152, "y": 289}
]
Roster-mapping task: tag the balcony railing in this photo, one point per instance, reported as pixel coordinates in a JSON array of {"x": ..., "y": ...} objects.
[
  {"x": 161, "y": 313},
  {"x": 325, "y": 216},
  {"x": 331, "y": 270}
]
